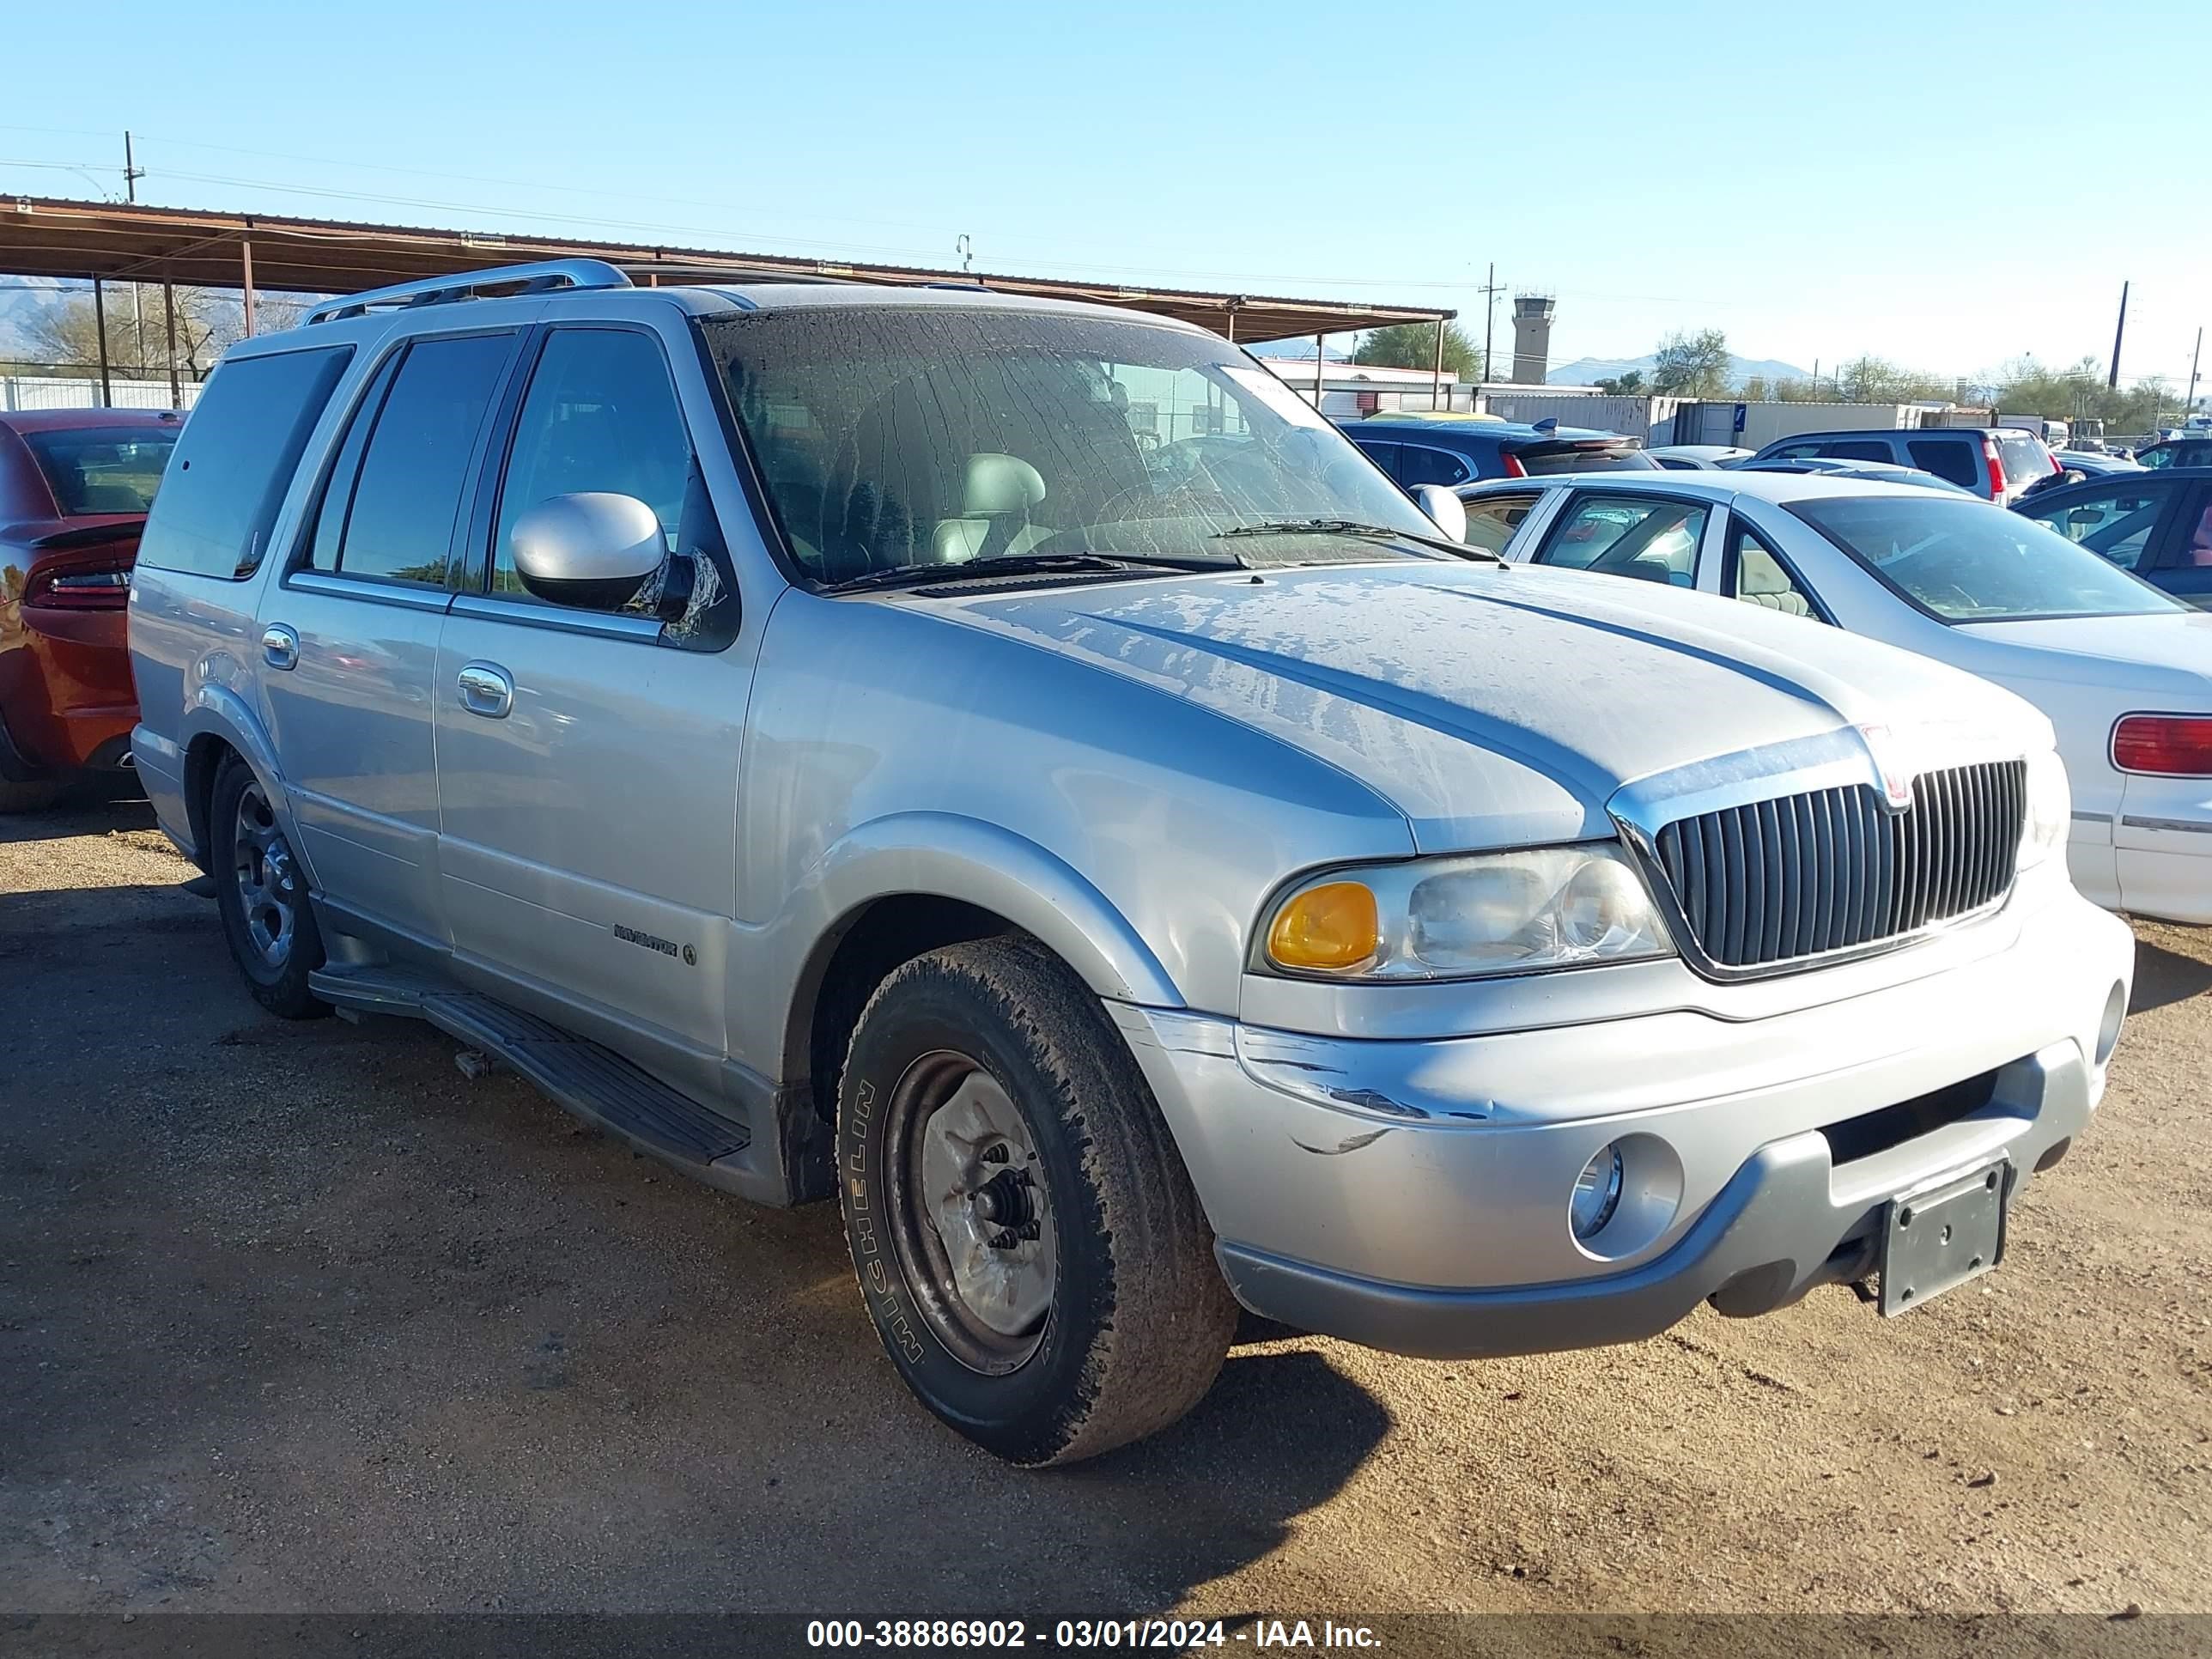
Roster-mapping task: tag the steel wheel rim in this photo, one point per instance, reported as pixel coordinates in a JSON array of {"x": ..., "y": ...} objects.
[
  {"x": 266, "y": 878},
  {"x": 972, "y": 1220}
]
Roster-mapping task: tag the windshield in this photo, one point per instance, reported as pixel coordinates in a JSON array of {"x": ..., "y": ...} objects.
[
  {"x": 890, "y": 438},
  {"x": 1969, "y": 562},
  {"x": 97, "y": 469}
]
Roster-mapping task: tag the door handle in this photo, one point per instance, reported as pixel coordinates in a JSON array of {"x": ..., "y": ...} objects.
[
  {"x": 487, "y": 689},
  {"x": 279, "y": 647}
]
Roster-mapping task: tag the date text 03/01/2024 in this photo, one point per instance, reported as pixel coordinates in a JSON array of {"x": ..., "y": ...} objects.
[{"x": 1171, "y": 1635}]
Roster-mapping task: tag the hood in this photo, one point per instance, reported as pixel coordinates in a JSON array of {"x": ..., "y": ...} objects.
[
  {"x": 1495, "y": 705},
  {"x": 2169, "y": 651}
]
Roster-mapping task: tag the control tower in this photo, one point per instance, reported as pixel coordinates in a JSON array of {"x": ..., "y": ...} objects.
[{"x": 1532, "y": 337}]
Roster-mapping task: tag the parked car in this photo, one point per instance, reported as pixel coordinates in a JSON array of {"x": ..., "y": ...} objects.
[
  {"x": 2156, "y": 523},
  {"x": 74, "y": 485},
  {"x": 1416, "y": 451},
  {"x": 2123, "y": 671},
  {"x": 1697, "y": 458},
  {"x": 1996, "y": 462},
  {"x": 1866, "y": 471},
  {"x": 794, "y": 726},
  {"x": 2177, "y": 451},
  {"x": 2073, "y": 466}
]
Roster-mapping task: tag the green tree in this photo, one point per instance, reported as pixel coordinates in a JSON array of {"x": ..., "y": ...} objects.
[
  {"x": 1692, "y": 365},
  {"x": 1870, "y": 380},
  {"x": 1413, "y": 345},
  {"x": 1630, "y": 385}
]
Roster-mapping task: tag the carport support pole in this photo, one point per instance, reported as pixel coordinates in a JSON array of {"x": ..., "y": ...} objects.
[
  {"x": 1436, "y": 391},
  {"x": 1318, "y": 362},
  {"x": 169, "y": 310},
  {"x": 100, "y": 325},
  {"x": 245, "y": 255}
]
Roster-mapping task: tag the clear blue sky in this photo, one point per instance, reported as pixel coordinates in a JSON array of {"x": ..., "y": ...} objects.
[{"x": 1900, "y": 182}]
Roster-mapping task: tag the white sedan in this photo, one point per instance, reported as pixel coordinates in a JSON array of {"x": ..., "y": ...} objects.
[{"x": 2123, "y": 671}]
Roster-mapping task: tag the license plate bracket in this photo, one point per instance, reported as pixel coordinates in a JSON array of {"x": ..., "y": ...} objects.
[{"x": 1937, "y": 1238}]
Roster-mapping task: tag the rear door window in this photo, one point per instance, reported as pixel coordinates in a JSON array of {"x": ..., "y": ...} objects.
[
  {"x": 398, "y": 524},
  {"x": 234, "y": 459},
  {"x": 1855, "y": 449},
  {"x": 1639, "y": 537},
  {"x": 1947, "y": 458},
  {"x": 1418, "y": 464},
  {"x": 1494, "y": 521}
]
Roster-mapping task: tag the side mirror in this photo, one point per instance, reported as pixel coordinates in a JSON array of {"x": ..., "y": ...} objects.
[
  {"x": 1444, "y": 509},
  {"x": 592, "y": 550}
]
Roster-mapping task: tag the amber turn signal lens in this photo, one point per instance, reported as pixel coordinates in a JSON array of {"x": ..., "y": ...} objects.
[{"x": 1331, "y": 928}]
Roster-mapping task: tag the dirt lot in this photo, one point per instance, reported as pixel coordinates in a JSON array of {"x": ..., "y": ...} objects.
[{"x": 293, "y": 1316}]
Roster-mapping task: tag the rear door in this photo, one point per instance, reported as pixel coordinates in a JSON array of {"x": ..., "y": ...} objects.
[
  {"x": 588, "y": 759},
  {"x": 348, "y": 638}
]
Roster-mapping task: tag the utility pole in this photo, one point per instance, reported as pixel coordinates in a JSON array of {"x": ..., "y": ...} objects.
[
  {"x": 2112, "y": 379},
  {"x": 132, "y": 173},
  {"x": 1490, "y": 293},
  {"x": 2195, "y": 357}
]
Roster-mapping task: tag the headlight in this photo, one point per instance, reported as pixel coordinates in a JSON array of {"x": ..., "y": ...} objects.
[
  {"x": 1449, "y": 918},
  {"x": 2050, "y": 816}
]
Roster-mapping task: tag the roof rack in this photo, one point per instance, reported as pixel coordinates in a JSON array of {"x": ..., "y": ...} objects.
[{"x": 540, "y": 278}]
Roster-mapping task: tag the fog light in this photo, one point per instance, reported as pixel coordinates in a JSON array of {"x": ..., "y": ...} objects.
[{"x": 1597, "y": 1194}]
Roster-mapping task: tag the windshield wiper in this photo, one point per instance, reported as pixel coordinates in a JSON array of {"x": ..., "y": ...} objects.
[
  {"x": 1025, "y": 564},
  {"x": 1361, "y": 531}
]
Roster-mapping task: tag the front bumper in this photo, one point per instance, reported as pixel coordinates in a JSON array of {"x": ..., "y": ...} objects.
[{"x": 1412, "y": 1195}]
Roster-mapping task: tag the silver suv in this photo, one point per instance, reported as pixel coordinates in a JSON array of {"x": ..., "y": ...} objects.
[{"x": 1016, "y": 768}]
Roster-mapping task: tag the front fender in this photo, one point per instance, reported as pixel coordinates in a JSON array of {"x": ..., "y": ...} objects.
[
  {"x": 939, "y": 855},
  {"x": 948, "y": 856}
]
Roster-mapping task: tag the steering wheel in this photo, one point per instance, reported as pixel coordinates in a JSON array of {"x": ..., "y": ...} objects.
[{"x": 1197, "y": 502}]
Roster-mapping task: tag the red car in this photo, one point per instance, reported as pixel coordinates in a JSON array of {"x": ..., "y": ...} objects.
[{"x": 74, "y": 485}]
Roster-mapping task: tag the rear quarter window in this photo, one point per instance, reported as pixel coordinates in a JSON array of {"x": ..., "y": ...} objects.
[
  {"x": 235, "y": 460},
  {"x": 1952, "y": 459}
]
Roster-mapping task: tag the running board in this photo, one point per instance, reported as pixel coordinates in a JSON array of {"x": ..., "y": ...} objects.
[{"x": 594, "y": 1082}]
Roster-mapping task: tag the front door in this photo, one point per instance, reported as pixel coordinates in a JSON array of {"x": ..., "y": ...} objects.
[
  {"x": 349, "y": 641},
  {"x": 587, "y": 760}
]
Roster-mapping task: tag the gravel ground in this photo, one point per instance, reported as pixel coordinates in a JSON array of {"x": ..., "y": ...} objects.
[{"x": 296, "y": 1317}]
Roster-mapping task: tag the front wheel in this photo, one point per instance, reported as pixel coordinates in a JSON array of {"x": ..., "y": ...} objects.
[
  {"x": 35, "y": 796},
  {"x": 262, "y": 895},
  {"x": 1027, "y": 1240}
]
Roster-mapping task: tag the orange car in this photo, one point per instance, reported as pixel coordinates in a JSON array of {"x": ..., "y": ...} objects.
[{"x": 74, "y": 485}]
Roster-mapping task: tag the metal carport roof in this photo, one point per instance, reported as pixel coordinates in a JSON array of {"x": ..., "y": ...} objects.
[{"x": 42, "y": 236}]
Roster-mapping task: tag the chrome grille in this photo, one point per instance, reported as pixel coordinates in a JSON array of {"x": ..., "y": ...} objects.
[{"x": 1833, "y": 869}]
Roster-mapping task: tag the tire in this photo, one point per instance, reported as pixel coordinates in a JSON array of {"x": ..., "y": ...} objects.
[
  {"x": 33, "y": 797},
  {"x": 262, "y": 896},
  {"x": 1139, "y": 1318}
]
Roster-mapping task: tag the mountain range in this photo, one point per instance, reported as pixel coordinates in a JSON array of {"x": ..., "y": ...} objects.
[{"x": 1585, "y": 370}]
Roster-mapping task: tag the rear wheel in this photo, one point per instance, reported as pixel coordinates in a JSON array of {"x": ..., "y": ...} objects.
[
  {"x": 263, "y": 896},
  {"x": 1027, "y": 1241}
]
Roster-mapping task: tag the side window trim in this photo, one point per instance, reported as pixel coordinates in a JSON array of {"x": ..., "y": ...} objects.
[{"x": 1731, "y": 557}]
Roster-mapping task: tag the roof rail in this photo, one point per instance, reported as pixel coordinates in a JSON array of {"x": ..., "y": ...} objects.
[{"x": 540, "y": 278}]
